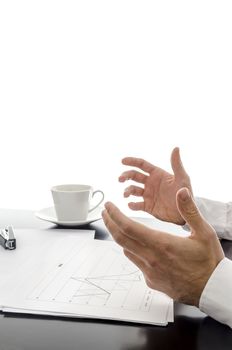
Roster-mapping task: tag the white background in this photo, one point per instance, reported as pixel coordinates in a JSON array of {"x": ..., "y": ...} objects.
[{"x": 84, "y": 83}]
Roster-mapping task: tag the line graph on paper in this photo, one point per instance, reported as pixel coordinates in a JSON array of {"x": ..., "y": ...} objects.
[{"x": 98, "y": 275}]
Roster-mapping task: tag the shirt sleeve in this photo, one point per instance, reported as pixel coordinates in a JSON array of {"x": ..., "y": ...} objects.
[
  {"x": 218, "y": 215},
  {"x": 216, "y": 298}
]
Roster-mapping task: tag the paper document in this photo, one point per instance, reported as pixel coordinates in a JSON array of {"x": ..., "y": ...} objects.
[
  {"x": 81, "y": 277},
  {"x": 32, "y": 244}
]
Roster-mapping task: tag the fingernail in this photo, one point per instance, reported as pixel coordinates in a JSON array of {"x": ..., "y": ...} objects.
[{"x": 184, "y": 194}]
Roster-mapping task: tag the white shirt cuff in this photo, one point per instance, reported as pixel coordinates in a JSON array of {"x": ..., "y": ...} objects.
[{"x": 216, "y": 298}]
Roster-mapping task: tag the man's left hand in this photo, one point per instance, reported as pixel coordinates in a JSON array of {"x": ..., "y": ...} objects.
[{"x": 177, "y": 266}]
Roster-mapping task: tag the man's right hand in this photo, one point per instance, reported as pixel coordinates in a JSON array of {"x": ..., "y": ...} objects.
[{"x": 160, "y": 187}]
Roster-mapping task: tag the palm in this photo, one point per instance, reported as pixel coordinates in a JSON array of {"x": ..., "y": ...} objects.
[
  {"x": 160, "y": 188},
  {"x": 159, "y": 196}
]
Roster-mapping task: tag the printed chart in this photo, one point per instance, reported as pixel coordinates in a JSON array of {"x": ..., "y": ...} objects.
[
  {"x": 86, "y": 278},
  {"x": 95, "y": 277}
]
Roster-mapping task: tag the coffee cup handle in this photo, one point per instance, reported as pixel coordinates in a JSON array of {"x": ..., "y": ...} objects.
[{"x": 102, "y": 199}]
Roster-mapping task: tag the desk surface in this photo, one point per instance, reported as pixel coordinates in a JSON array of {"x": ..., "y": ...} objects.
[{"x": 191, "y": 329}]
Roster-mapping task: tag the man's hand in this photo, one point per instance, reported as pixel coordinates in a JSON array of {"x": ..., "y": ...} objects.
[
  {"x": 177, "y": 266},
  {"x": 160, "y": 187}
]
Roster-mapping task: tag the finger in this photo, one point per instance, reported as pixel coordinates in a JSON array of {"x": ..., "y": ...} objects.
[
  {"x": 135, "y": 259},
  {"x": 138, "y": 163},
  {"x": 132, "y": 229},
  {"x": 133, "y": 175},
  {"x": 177, "y": 165},
  {"x": 120, "y": 238},
  {"x": 189, "y": 210},
  {"x": 136, "y": 206},
  {"x": 133, "y": 191}
]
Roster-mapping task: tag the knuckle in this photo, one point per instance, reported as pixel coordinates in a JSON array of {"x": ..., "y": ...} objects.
[
  {"x": 119, "y": 239},
  {"x": 127, "y": 226},
  {"x": 187, "y": 177},
  {"x": 186, "y": 182},
  {"x": 126, "y": 175},
  {"x": 127, "y": 191},
  {"x": 152, "y": 263},
  {"x": 191, "y": 211},
  {"x": 166, "y": 248},
  {"x": 140, "y": 161},
  {"x": 133, "y": 175},
  {"x": 210, "y": 233}
]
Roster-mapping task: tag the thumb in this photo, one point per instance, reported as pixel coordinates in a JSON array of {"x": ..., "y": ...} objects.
[
  {"x": 176, "y": 163},
  {"x": 188, "y": 209}
]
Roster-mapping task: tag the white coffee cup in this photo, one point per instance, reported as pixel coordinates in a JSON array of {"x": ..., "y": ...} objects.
[{"x": 72, "y": 202}]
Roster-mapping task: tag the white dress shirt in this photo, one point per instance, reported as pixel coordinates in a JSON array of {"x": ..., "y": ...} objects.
[{"x": 216, "y": 298}]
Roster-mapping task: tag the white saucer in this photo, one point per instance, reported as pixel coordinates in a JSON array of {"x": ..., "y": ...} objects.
[{"x": 49, "y": 214}]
